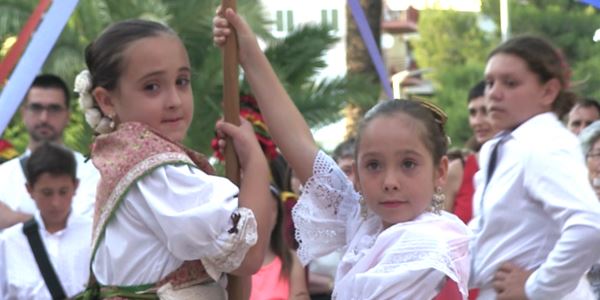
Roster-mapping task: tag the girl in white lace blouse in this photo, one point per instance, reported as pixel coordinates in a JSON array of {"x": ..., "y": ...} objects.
[{"x": 396, "y": 244}]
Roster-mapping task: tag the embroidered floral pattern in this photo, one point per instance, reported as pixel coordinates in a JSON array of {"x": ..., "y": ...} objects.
[{"x": 125, "y": 155}]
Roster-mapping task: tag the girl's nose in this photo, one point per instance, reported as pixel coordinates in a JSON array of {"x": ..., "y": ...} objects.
[{"x": 390, "y": 182}]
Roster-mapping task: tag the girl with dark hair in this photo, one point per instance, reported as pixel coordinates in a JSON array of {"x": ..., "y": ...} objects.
[
  {"x": 396, "y": 242},
  {"x": 536, "y": 217},
  {"x": 164, "y": 225},
  {"x": 281, "y": 275}
]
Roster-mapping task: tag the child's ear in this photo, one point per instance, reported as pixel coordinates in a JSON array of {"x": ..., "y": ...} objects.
[
  {"x": 441, "y": 173},
  {"x": 551, "y": 90},
  {"x": 104, "y": 100}
]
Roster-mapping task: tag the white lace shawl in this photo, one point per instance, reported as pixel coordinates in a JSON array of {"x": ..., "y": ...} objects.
[{"x": 408, "y": 260}]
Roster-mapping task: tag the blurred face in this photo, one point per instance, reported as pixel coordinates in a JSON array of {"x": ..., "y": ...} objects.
[
  {"x": 154, "y": 87},
  {"x": 45, "y": 114},
  {"x": 53, "y": 195},
  {"x": 346, "y": 164},
  {"x": 479, "y": 120},
  {"x": 395, "y": 172},
  {"x": 581, "y": 117},
  {"x": 514, "y": 93},
  {"x": 593, "y": 165}
]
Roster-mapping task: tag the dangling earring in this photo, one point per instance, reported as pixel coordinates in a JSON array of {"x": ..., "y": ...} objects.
[
  {"x": 363, "y": 207},
  {"x": 112, "y": 122},
  {"x": 437, "y": 203}
]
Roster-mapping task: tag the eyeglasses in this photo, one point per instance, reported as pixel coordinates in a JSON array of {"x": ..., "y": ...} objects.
[{"x": 52, "y": 109}]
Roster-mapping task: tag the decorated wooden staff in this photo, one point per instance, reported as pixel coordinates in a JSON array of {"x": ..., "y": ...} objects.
[{"x": 238, "y": 288}]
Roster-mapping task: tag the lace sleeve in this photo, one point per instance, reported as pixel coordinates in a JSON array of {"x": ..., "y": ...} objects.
[
  {"x": 326, "y": 208},
  {"x": 233, "y": 244}
]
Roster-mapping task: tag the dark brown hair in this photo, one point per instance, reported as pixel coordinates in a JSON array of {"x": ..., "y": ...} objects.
[
  {"x": 50, "y": 158},
  {"x": 51, "y": 81},
  {"x": 282, "y": 176},
  {"x": 433, "y": 137},
  {"x": 543, "y": 59},
  {"x": 104, "y": 56}
]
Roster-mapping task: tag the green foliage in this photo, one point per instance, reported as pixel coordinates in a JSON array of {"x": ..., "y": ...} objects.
[
  {"x": 570, "y": 25},
  {"x": 455, "y": 47},
  {"x": 453, "y": 84},
  {"x": 297, "y": 59},
  {"x": 449, "y": 38}
]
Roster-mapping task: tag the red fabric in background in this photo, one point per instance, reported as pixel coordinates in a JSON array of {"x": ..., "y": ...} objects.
[{"x": 463, "y": 203}]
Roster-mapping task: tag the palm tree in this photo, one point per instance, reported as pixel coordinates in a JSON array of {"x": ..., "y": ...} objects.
[
  {"x": 192, "y": 19},
  {"x": 359, "y": 61}
]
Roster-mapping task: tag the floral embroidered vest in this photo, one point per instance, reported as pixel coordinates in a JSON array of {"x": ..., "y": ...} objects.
[{"x": 123, "y": 157}]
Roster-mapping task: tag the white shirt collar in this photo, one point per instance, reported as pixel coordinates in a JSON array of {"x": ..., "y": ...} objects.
[
  {"x": 534, "y": 125},
  {"x": 38, "y": 218}
]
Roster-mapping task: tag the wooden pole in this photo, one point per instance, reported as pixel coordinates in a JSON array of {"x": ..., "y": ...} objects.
[
  {"x": 231, "y": 96},
  {"x": 238, "y": 288}
]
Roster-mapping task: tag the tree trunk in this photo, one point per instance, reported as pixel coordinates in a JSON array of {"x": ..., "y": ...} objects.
[{"x": 358, "y": 60}]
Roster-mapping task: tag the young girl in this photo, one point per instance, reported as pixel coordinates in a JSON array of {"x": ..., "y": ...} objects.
[
  {"x": 281, "y": 275},
  {"x": 536, "y": 216},
  {"x": 395, "y": 246},
  {"x": 163, "y": 224}
]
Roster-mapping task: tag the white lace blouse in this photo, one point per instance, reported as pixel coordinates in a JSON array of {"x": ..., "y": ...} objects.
[{"x": 408, "y": 260}]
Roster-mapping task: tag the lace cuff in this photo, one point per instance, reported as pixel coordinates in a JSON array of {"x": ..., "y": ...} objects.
[
  {"x": 327, "y": 204},
  {"x": 232, "y": 244}
]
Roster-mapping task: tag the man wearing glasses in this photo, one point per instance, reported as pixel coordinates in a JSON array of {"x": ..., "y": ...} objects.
[{"x": 45, "y": 115}]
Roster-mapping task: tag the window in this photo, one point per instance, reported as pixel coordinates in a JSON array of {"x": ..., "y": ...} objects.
[
  {"x": 284, "y": 20},
  {"x": 330, "y": 17}
]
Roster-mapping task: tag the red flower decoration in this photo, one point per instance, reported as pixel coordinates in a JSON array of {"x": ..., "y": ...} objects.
[{"x": 249, "y": 110}]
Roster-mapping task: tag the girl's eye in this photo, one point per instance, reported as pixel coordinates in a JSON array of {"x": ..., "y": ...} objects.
[
  {"x": 511, "y": 83},
  {"x": 409, "y": 164},
  {"x": 372, "y": 165},
  {"x": 151, "y": 87},
  {"x": 183, "y": 81}
]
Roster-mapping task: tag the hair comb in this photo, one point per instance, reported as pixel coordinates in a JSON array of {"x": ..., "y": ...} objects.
[{"x": 439, "y": 115}]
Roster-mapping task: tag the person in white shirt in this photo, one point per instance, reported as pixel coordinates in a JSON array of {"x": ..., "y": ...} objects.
[
  {"x": 396, "y": 242},
  {"x": 536, "y": 216},
  {"x": 590, "y": 146},
  {"x": 45, "y": 114},
  {"x": 66, "y": 237},
  {"x": 164, "y": 225}
]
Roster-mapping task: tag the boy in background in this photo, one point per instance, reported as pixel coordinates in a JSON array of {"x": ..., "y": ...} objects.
[{"x": 65, "y": 236}]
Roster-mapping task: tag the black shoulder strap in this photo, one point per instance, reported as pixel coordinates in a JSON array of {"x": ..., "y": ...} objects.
[
  {"x": 30, "y": 229},
  {"x": 23, "y": 160}
]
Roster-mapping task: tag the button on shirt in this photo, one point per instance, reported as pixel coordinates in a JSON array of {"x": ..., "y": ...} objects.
[
  {"x": 68, "y": 251},
  {"x": 538, "y": 210}
]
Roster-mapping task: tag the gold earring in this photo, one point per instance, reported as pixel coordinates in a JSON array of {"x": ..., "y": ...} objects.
[
  {"x": 437, "y": 203},
  {"x": 363, "y": 207}
]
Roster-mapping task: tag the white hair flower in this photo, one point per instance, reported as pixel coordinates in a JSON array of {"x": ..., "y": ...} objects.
[
  {"x": 86, "y": 101},
  {"x": 83, "y": 82},
  {"x": 105, "y": 126},
  {"x": 93, "y": 116}
]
